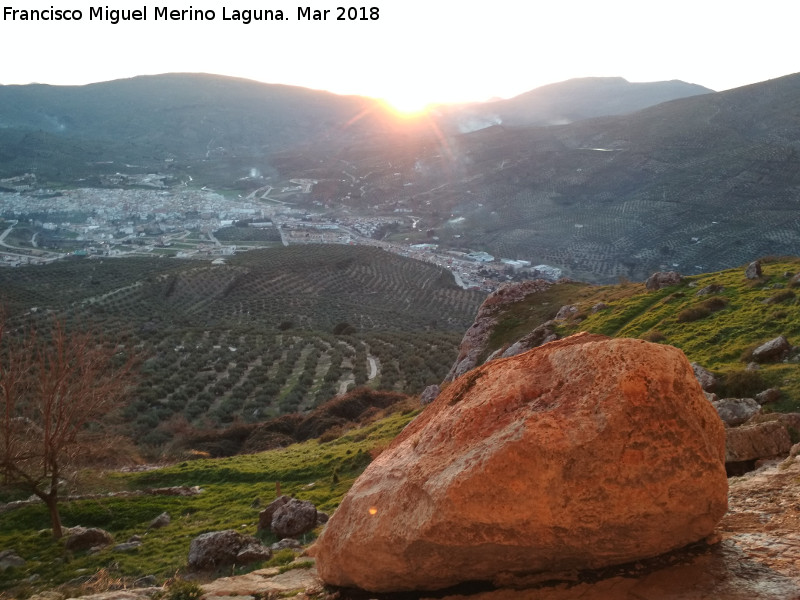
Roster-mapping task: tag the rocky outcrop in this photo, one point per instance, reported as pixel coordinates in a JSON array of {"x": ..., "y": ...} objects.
[
  {"x": 475, "y": 339},
  {"x": 540, "y": 335},
  {"x": 583, "y": 453},
  {"x": 228, "y": 547},
  {"x": 662, "y": 279},
  {"x": 772, "y": 351}
]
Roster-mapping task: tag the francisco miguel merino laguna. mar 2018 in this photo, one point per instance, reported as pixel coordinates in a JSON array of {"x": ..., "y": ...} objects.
[
  {"x": 164, "y": 13},
  {"x": 158, "y": 13}
]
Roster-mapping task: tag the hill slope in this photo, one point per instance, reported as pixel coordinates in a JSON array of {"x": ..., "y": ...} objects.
[
  {"x": 702, "y": 183},
  {"x": 571, "y": 100},
  {"x": 271, "y": 332},
  {"x": 148, "y": 120},
  {"x": 717, "y": 319}
]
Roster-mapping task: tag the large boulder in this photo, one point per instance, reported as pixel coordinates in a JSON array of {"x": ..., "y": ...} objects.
[{"x": 583, "y": 453}]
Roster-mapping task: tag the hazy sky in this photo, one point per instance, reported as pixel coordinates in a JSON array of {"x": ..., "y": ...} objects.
[{"x": 417, "y": 50}]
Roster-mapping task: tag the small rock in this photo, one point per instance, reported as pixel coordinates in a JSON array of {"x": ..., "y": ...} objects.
[
  {"x": 265, "y": 516},
  {"x": 706, "y": 378},
  {"x": 48, "y": 595},
  {"x": 753, "y": 270},
  {"x": 566, "y": 312},
  {"x": 146, "y": 581},
  {"x": 772, "y": 351},
  {"x": 768, "y": 395},
  {"x": 294, "y": 518},
  {"x": 9, "y": 559},
  {"x": 753, "y": 366},
  {"x": 252, "y": 553},
  {"x": 83, "y": 538},
  {"x": 322, "y": 518},
  {"x": 160, "y": 521},
  {"x": 429, "y": 394},
  {"x": 599, "y": 306},
  {"x": 710, "y": 289},
  {"x": 127, "y": 546},
  {"x": 662, "y": 279},
  {"x": 286, "y": 543},
  {"x": 735, "y": 411}
]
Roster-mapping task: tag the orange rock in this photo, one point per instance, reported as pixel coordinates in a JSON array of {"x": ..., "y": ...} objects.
[{"x": 583, "y": 453}]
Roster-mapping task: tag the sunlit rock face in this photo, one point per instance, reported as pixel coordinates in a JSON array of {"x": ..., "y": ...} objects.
[{"x": 583, "y": 453}]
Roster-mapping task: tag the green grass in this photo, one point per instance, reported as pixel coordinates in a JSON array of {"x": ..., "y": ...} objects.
[
  {"x": 716, "y": 330},
  {"x": 229, "y": 488}
]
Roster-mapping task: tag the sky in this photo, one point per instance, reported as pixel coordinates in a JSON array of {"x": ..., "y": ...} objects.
[{"x": 415, "y": 51}]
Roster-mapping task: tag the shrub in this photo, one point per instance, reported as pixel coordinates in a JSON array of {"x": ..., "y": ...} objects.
[
  {"x": 782, "y": 296},
  {"x": 344, "y": 329},
  {"x": 180, "y": 589},
  {"x": 741, "y": 384},
  {"x": 702, "y": 310},
  {"x": 281, "y": 557},
  {"x": 654, "y": 336},
  {"x": 694, "y": 313}
]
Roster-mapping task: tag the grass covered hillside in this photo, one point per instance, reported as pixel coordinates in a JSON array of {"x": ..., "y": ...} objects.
[
  {"x": 271, "y": 332},
  {"x": 717, "y": 319},
  {"x": 232, "y": 492}
]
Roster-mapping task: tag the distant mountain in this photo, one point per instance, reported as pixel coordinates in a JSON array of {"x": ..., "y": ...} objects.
[
  {"x": 569, "y": 101},
  {"x": 151, "y": 119},
  {"x": 695, "y": 184},
  {"x": 64, "y": 132}
]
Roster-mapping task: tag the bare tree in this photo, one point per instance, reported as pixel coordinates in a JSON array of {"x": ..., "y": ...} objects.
[{"x": 55, "y": 390}]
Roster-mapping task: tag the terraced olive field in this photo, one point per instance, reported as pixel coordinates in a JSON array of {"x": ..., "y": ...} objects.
[{"x": 271, "y": 332}]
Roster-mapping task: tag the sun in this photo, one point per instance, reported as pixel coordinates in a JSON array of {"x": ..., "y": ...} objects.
[{"x": 407, "y": 104}]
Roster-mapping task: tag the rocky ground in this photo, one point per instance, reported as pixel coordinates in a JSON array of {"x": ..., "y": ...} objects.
[{"x": 756, "y": 557}]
